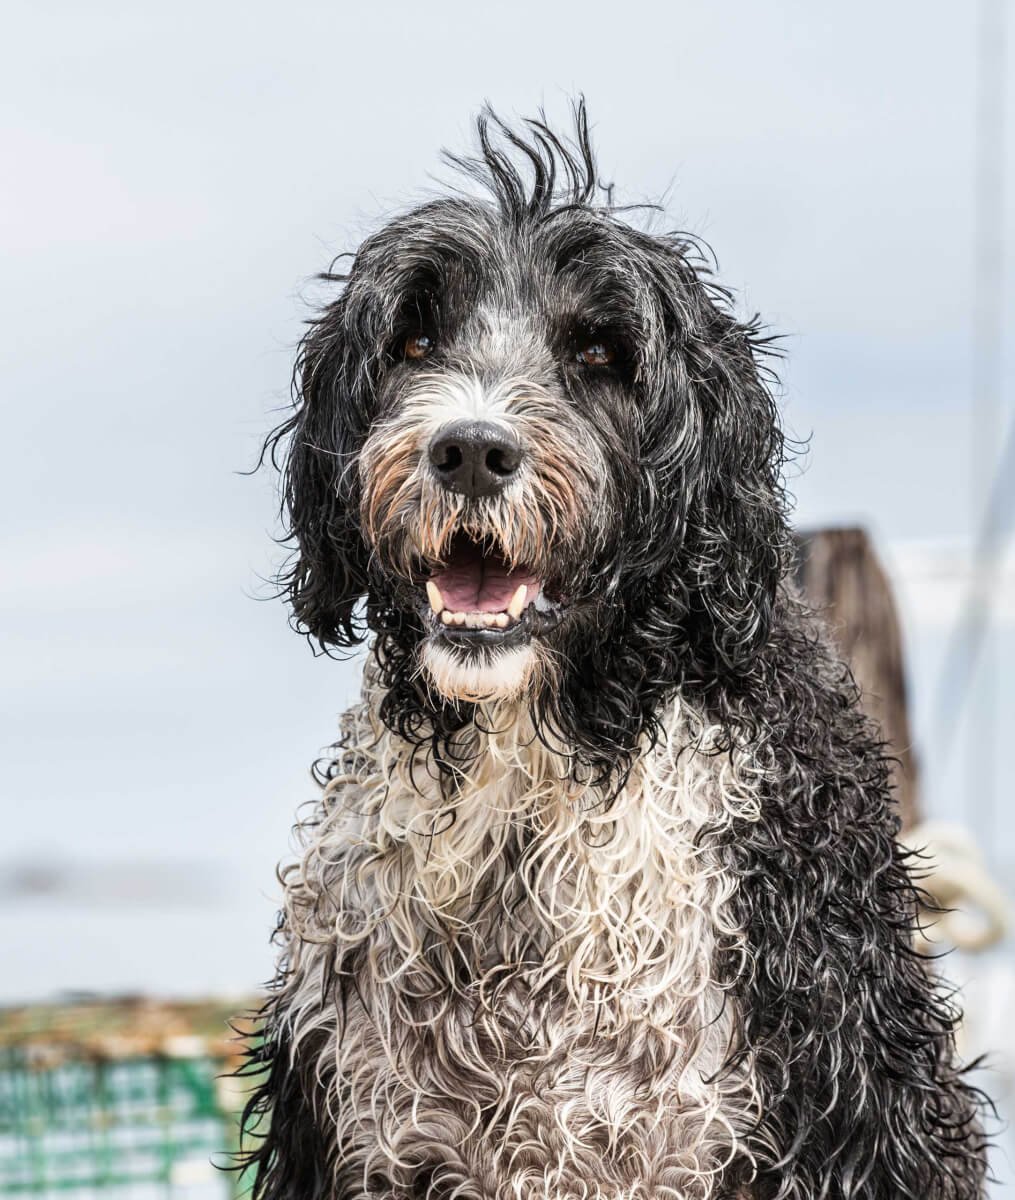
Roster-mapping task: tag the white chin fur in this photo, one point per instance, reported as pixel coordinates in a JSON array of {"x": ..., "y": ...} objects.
[{"x": 461, "y": 675}]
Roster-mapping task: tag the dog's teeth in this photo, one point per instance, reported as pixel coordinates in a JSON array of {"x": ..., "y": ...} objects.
[
  {"x": 436, "y": 599},
  {"x": 482, "y": 620},
  {"x": 517, "y": 602}
]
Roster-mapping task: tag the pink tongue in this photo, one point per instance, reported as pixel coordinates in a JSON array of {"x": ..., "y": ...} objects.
[{"x": 472, "y": 583}]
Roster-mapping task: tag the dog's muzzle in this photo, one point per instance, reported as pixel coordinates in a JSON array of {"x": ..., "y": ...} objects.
[{"x": 477, "y": 597}]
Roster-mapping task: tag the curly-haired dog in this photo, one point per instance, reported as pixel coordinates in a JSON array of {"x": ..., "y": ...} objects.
[{"x": 602, "y": 897}]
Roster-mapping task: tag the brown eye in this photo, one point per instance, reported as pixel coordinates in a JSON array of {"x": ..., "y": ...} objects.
[
  {"x": 595, "y": 354},
  {"x": 417, "y": 346}
]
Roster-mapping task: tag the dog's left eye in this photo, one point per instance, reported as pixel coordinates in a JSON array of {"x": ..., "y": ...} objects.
[
  {"x": 417, "y": 346},
  {"x": 596, "y": 353}
]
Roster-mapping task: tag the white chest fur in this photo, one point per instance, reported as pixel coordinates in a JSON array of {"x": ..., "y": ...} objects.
[{"x": 531, "y": 1006}]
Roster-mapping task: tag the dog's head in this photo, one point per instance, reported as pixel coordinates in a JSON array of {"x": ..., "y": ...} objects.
[{"x": 538, "y": 443}]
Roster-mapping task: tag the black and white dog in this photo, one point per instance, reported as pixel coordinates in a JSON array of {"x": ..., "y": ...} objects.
[{"x": 602, "y": 897}]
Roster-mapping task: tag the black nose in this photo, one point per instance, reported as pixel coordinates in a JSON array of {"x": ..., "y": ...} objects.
[{"x": 475, "y": 458}]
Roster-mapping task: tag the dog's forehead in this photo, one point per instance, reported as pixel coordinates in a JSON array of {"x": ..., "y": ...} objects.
[
  {"x": 474, "y": 262},
  {"x": 509, "y": 335}
]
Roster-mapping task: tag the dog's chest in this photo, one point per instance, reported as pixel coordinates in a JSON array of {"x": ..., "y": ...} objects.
[{"x": 535, "y": 966}]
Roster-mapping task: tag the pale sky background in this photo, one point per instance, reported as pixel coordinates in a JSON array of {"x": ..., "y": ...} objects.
[{"x": 173, "y": 177}]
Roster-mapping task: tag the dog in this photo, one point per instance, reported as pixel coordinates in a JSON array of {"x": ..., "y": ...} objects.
[{"x": 602, "y": 897}]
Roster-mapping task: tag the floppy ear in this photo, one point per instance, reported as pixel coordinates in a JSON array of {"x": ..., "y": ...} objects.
[
  {"x": 320, "y": 485},
  {"x": 714, "y": 448},
  {"x": 705, "y": 550},
  {"x": 737, "y": 537}
]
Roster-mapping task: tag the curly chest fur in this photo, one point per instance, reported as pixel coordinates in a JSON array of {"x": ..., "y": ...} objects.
[{"x": 507, "y": 982}]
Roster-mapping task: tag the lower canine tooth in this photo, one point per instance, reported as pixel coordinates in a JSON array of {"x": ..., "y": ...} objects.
[
  {"x": 517, "y": 602},
  {"x": 502, "y": 620},
  {"x": 446, "y": 617}
]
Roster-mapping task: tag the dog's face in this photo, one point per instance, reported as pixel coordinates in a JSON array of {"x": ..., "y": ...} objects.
[
  {"x": 536, "y": 440},
  {"x": 501, "y": 462}
]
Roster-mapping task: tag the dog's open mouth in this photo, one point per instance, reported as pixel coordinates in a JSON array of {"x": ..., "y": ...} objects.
[{"x": 476, "y": 595}]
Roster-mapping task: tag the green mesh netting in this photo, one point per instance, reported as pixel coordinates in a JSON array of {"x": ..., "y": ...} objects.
[{"x": 139, "y": 1127}]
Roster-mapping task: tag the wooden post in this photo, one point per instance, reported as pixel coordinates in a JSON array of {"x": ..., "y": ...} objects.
[{"x": 840, "y": 576}]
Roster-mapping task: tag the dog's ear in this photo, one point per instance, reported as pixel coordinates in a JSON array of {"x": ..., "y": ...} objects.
[
  {"x": 724, "y": 471},
  {"x": 319, "y": 446},
  {"x": 705, "y": 546}
]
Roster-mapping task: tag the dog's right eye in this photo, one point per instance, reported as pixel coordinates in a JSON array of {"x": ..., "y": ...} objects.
[
  {"x": 417, "y": 346},
  {"x": 596, "y": 353}
]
